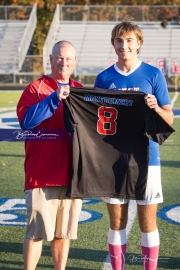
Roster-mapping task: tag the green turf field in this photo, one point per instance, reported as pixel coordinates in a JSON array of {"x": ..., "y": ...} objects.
[{"x": 90, "y": 250}]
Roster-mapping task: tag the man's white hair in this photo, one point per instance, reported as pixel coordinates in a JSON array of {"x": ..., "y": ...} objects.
[{"x": 61, "y": 43}]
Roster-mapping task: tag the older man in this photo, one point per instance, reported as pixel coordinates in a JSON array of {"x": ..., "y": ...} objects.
[{"x": 51, "y": 215}]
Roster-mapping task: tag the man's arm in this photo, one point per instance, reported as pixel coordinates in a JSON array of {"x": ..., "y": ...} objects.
[
  {"x": 165, "y": 111},
  {"x": 41, "y": 111}
]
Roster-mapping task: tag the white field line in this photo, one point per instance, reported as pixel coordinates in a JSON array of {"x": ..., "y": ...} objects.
[
  {"x": 7, "y": 109},
  {"x": 174, "y": 99},
  {"x": 132, "y": 208}
]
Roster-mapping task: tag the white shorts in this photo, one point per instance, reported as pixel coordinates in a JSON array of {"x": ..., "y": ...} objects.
[{"x": 153, "y": 190}]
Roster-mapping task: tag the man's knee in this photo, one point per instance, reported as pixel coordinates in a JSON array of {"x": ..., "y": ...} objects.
[
  {"x": 31, "y": 243},
  {"x": 147, "y": 217}
]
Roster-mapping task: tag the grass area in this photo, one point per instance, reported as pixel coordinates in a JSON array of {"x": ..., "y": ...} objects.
[
  {"x": 90, "y": 249},
  {"x": 9, "y": 98}
]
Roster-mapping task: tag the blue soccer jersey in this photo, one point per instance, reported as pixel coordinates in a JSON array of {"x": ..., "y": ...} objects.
[{"x": 143, "y": 77}]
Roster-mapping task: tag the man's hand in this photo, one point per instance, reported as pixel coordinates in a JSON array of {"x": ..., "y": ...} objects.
[
  {"x": 165, "y": 111},
  {"x": 151, "y": 102},
  {"x": 63, "y": 92}
]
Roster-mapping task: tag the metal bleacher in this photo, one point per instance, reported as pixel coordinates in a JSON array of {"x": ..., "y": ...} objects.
[
  {"x": 15, "y": 37},
  {"x": 92, "y": 43},
  {"x": 92, "y": 40},
  {"x": 10, "y": 38},
  {"x": 161, "y": 43},
  {"x": 95, "y": 52},
  {"x": 89, "y": 29}
]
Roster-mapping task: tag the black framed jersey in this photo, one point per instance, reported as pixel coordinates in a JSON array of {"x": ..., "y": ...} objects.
[{"x": 110, "y": 132}]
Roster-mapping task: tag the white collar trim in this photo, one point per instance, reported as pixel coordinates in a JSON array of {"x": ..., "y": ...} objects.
[{"x": 127, "y": 73}]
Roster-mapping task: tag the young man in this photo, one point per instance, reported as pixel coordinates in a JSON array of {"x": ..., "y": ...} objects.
[
  {"x": 48, "y": 163},
  {"x": 131, "y": 74}
]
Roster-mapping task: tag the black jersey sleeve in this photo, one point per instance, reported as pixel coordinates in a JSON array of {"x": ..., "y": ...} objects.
[{"x": 156, "y": 128}]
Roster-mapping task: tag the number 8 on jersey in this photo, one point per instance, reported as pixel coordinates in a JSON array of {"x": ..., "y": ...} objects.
[{"x": 106, "y": 125}]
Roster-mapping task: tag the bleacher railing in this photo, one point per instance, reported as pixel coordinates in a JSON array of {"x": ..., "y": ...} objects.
[
  {"x": 27, "y": 36},
  {"x": 49, "y": 42},
  {"x": 15, "y": 12},
  {"x": 100, "y": 13}
]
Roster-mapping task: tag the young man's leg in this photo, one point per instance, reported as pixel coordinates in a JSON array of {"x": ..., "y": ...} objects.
[
  {"x": 150, "y": 235},
  {"x": 60, "y": 250},
  {"x": 117, "y": 238},
  {"x": 147, "y": 210},
  {"x": 32, "y": 249}
]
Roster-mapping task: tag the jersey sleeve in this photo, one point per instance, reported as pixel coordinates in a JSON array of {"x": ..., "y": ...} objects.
[
  {"x": 31, "y": 112},
  {"x": 161, "y": 90},
  {"x": 156, "y": 128},
  {"x": 97, "y": 83}
]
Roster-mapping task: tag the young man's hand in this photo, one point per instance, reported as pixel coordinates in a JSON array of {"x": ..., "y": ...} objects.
[{"x": 151, "y": 102}]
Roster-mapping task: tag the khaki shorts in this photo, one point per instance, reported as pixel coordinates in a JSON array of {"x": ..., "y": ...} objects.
[
  {"x": 51, "y": 214},
  {"x": 154, "y": 193}
]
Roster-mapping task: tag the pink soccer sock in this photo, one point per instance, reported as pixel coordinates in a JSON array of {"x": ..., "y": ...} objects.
[
  {"x": 117, "y": 248},
  {"x": 117, "y": 256},
  {"x": 150, "y": 249},
  {"x": 150, "y": 257}
]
